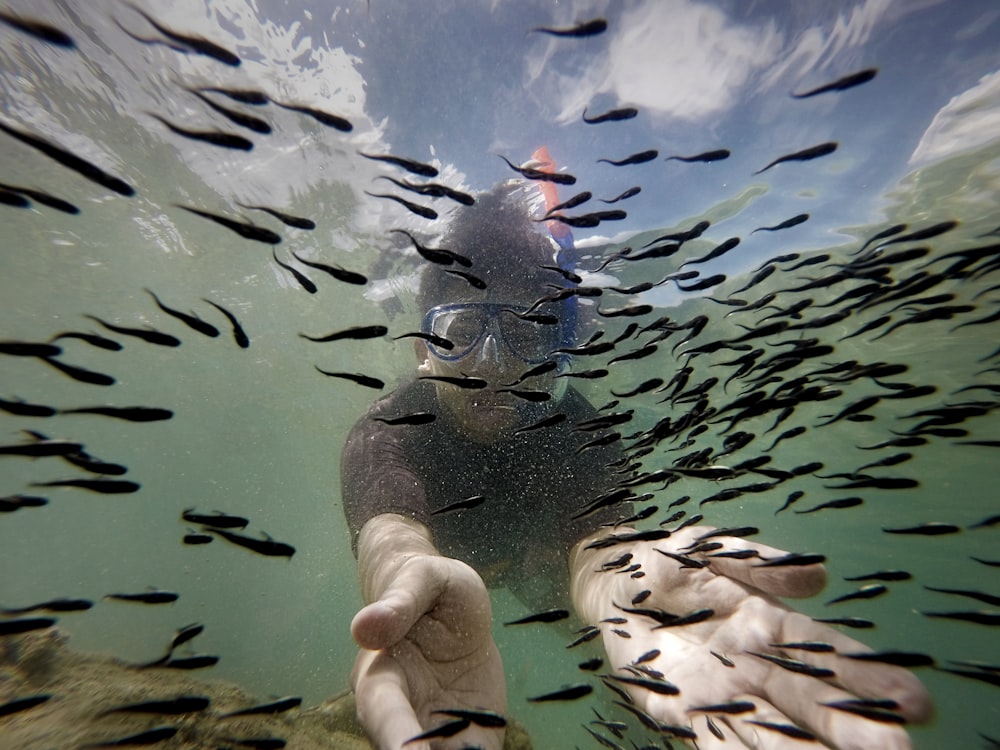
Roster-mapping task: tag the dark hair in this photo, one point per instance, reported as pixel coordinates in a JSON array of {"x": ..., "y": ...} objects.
[{"x": 507, "y": 250}]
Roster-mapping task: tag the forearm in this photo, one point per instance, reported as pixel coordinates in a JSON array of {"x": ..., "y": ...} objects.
[{"x": 385, "y": 543}]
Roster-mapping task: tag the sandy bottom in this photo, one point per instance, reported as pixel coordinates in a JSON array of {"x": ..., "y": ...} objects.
[{"x": 84, "y": 688}]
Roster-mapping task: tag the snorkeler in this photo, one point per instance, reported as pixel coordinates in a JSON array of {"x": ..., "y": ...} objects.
[{"x": 498, "y": 490}]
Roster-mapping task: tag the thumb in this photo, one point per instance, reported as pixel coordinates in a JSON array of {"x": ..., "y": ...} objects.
[{"x": 411, "y": 594}]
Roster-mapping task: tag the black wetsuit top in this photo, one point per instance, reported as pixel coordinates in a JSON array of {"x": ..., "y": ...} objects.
[{"x": 533, "y": 483}]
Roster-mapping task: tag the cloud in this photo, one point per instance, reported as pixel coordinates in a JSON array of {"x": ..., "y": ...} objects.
[
  {"x": 969, "y": 121},
  {"x": 677, "y": 58}
]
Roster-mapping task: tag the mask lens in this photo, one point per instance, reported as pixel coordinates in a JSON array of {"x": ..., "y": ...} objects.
[
  {"x": 531, "y": 342},
  {"x": 463, "y": 327}
]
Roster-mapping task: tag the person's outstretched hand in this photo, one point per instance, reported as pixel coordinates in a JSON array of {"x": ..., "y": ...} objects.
[
  {"x": 426, "y": 647},
  {"x": 720, "y": 663}
]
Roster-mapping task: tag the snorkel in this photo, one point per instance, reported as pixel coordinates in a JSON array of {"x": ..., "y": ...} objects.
[{"x": 566, "y": 255}]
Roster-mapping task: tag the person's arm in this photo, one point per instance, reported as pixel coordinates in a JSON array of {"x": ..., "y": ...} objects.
[
  {"x": 745, "y": 620},
  {"x": 425, "y": 639}
]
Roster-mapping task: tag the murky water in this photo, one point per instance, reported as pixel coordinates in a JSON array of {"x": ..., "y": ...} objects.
[{"x": 258, "y": 431}]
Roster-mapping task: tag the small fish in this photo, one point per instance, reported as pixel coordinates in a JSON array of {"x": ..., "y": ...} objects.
[
  {"x": 789, "y": 730},
  {"x": 243, "y": 229},
  {"x": 217, "y": 520},
  {"x": 705, "y": 283},
  {"x": 196, "y": 44},
  {"x": 266, "y": 546},
  {"x": 571, "y": 693},
  {"x": 410, "y": 165},
  {"x": 54, "y": 605},
  {"x": 146, "y": 334},
  {"x": 44, "y": 198},
  {"x": 733, "y": 707},
  {"x": 357, "y": 333},
  {"x": 551, "y": 615},
  {"x": 794, "y": 665},
  {"x": 848, "y": 622},
  {"x": 725, "y": 661},
  {"x": 239, "y": 118},
  {"x": 244, "y": 96},
  {"x": 844, "y": 502},
  {"x": 238, "y": 333},
  {"x": 146, "y": 597},
  {"x": 192, "y": 321},
  {"x": 422, "y": 211},
  {"x": 591, "y": 665},
  {"x": 214, "y": 137},
  {"x": 71, "y": 161},
  {"x": 660, "y": 687},
  {"x": 462, "y": 382},
  {"x": 592, "y": 27},
  {"x": 793, "y": 559},
  {"x": 474, "y": 281},
  {"x": 39, "y": 30},
  {"x": 182, "y": 704},
  {"x": 416, "y": 418},
  {"x": 980, "y": 617},
  {"x": 91, "y": 338},
  {"x": 348, "y": 277},
  {"x": 330, "y": 120},
  {"x": 841, "y": 84},
  {"x": 644, "y": 387},
  {"x": 304, "y": 281},
  {"x": 192, "y": 538},
  {"x": 786, "y": 224},
  {"x": 41, "y": 448},
  {"x": 612, "y": 115},
  {"x": 926, "y": 529},
  {"x": 190, "y": 662},
  {"x": 433, "y": 190},
  {"x": 906, "y": 659},
  {"x": 186, "y": 634},
  {"x": 287, "y": 219},
  {"x": 987, "y": 522},
  {"x": 881, "y": 483},
  {"x": 587, "y": 636},
  {"x": 102, "y": 486},
  {"x": 707, "y": 156},
  {"x": 127, "y": 413},
  {"x": 274, "y": 707},
  {"x": 883, "y": 575},
  {"x": 28, "y": 624},
  {"x": 448, "y": 729},
  {"x": 23, "y": 704},
  {"x": 542, "y": 424},
  {"x": 865, "y": 592},
  {"x": 814, "y": 647},
  {"x": 814, "y": 152},
  {"x": 624, "y": 195},
  {"x": 530, "y": 173},
  {"x": 638, "y": 158},
  {"x": 977, "y": 595},
  {"x": 860, "y": 709},
  {"x": 149, "y": 737},
  {"x": 630, "y": 311},
  {"x": 467, "y": 504},
  {"x": 488, "y": 719}
]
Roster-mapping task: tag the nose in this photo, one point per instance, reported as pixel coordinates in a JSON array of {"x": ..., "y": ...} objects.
[{"x": 488, "y": 353}]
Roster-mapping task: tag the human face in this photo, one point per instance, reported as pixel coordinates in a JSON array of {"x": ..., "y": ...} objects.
[{"x": 491, "y": 342}]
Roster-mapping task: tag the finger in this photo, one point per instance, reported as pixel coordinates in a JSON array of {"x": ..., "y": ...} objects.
[
  {"x": 766, "y": 728},
  {"x": 792, "y": 581},
  {"x": 862, "y": 678},
  {"x": 801, "y": 698},
  {"x": 412, "y": 593},
  {"x": 383, "y": 702}
]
